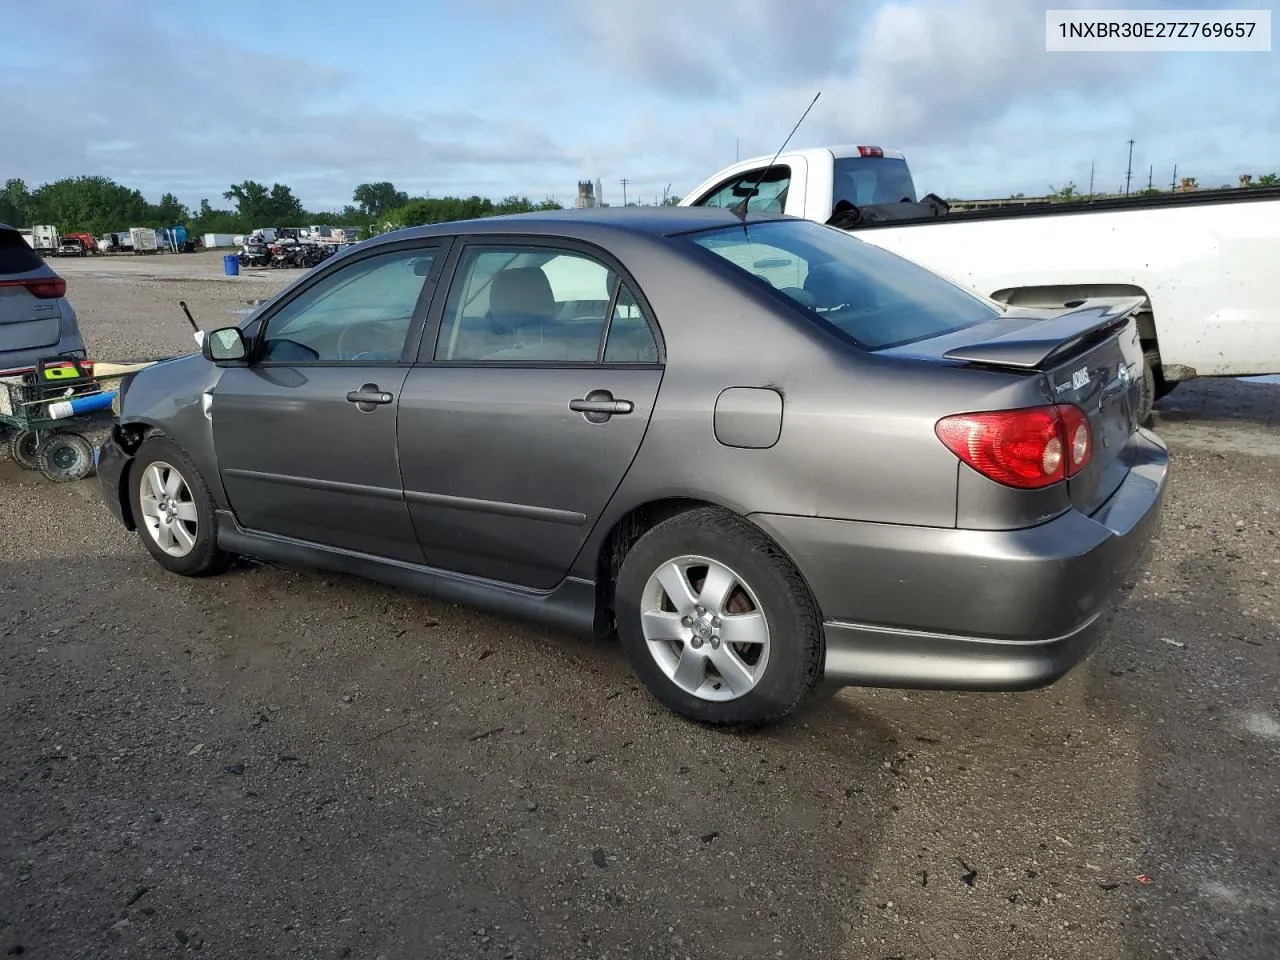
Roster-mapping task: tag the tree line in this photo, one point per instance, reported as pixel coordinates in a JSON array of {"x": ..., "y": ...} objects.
[{"x": 99, "y": 205}]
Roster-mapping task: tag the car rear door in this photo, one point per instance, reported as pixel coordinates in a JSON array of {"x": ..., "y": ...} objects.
[
  {"x": 30, "y": 299},
  {"x": 527, "y": 407},
  {"x": 305, "y": 433}
]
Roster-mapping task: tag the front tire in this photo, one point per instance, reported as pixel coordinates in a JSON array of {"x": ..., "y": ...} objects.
[
  {"x": 174, "y": 511},
  {"x": 717, "y": 622}
]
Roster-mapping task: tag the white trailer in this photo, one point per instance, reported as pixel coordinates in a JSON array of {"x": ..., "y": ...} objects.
[
  {"x": 214, "y": 240},
  {"x": 143, "y": 240},
  {"x": 43, "y": 238}
]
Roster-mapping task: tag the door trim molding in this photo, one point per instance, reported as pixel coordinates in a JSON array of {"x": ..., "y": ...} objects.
[
  {"x": 314, "y": 483},
  {"x": 497, "y": 507}
]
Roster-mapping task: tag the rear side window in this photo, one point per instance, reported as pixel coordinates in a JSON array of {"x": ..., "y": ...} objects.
[
  {"x": 871, "y": 297},
  {"x": 16, "y": 256}
]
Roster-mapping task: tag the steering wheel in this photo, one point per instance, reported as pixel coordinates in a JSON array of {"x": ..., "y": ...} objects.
[{"x": 383, "y": 340}]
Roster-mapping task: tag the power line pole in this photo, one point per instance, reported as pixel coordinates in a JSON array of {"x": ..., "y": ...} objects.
[
  {"x": 1091, "y": 180},
  {"x": 624, "y": 181},
  {"x": 1129, "y": 172},
  {"x": 1150, "y": 173},
  {"x": 1173, "y": 184}
]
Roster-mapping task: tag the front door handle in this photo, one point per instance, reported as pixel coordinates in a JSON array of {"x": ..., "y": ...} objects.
[
  {"x": 368, "y": 397},
  {"x": 599, "y": 405}
]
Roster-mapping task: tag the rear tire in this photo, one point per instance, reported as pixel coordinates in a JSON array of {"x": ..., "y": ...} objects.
[
  {"x": 22, "y": 448},
  {"x": 690, "y": 585},
  {"x": 174, "y": 511}
]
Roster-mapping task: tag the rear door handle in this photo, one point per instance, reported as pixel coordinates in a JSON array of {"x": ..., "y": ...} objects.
[
  {"x": 599, "y": 405},
  {"x": 368, "y": 396}
]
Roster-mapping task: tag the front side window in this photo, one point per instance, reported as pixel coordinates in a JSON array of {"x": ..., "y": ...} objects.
[
  {"x": 874, "y": 298},
  {"x": 540, "y": 304},
  {"x": 360, "y": 313},
  {"x": 769, "y": 196}
]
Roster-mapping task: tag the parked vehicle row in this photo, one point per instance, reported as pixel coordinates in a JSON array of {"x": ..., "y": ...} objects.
[
  {"x": 1203, "y": 262},
  {"x": 760, "y": 451}
]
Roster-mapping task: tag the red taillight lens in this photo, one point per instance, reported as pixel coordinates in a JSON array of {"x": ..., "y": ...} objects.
[
  {"x": 1029, "y": 448},
  {"x": 870, "y": 152},
  {"x": 46, "y": 288}
]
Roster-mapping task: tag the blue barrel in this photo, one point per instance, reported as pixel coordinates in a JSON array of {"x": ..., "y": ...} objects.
[{"x": 231, "y": 264}]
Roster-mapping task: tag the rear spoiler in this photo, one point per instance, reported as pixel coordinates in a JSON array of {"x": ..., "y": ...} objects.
[{"x": 1059, "y": 332}]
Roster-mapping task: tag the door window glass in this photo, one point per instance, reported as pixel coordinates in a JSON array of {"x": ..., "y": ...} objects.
[
  {"x": 535, "y": 304},
  {"x": 361, "y": 313}
]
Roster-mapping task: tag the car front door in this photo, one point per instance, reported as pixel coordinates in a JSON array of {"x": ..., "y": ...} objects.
[
  {"x": 305, "y": 432},
  {"x": 527, "y": 409}
]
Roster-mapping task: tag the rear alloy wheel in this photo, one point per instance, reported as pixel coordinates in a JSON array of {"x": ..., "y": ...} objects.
[
  {"x": 22, "y": 448},
  {"x": 173, "y": 510},
  {"x": 717, "y": 622},
  {"x": 64, "y": 457}
]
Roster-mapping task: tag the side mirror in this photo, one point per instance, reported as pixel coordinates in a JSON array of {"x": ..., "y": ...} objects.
[{"x": 224, "y": 346}]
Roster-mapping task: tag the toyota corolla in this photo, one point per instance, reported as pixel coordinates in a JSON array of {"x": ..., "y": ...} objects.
[{"x": 760, "y": 451}]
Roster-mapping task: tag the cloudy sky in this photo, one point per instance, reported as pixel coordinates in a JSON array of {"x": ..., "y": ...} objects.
[{"x": 527, "y": 96}]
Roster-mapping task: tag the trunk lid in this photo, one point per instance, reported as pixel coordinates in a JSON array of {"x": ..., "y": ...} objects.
[
  {"x": 1088, "y": 355},
  {"x": 27, "y": 322}
]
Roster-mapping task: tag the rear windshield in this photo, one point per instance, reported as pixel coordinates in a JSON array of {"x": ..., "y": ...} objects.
[
  {"x": 872, "y": 297},
  {"x": 864, "y": 180},
  {"x": 16, "y": 256}
]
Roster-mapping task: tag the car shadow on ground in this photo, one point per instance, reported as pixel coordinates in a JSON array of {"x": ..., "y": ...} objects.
[{"x": 1220, "y": 402}]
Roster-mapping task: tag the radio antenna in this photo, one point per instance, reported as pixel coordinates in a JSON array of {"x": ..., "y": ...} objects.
[{"x": 740, "y": 209}]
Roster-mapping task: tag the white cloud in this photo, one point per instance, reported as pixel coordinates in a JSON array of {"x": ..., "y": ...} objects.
[{"x": 657, "y": 91}]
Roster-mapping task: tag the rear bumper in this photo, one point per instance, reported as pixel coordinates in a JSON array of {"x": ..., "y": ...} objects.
[
  {"x": 113, "y": 462},
  {"x": 947, "y": 609}
]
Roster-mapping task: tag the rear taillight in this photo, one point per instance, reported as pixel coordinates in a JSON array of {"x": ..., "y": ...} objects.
[
  {"x": 1029, "y": 448},
  {"x": 46, "y": 288}
]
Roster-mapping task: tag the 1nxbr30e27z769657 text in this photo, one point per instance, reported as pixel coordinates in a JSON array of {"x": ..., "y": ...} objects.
[{"x": 1137, "y": 31}]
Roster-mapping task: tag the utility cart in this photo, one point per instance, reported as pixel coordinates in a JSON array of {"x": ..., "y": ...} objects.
[{"x": 46, "y": 409}]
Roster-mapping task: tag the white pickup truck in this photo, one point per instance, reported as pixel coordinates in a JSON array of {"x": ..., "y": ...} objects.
[{"x": 1205, "y": 261}]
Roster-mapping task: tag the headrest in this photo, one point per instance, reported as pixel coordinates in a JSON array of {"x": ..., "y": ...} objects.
[{"x": 521, "y": 295}]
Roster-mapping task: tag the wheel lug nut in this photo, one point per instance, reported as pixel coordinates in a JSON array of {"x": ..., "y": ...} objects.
[
  {"x": 699, "y": 610},
  {"x": 697, "y": 643},
  {"x": 686, "y": 621},
  {"x": 715, "y": 621}
]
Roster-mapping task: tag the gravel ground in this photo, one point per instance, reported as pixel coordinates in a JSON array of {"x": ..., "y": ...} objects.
[{"x": 284, "y": 763}]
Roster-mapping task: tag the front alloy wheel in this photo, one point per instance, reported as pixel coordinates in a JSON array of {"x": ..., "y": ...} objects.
[{"x": 168, "y": 509}]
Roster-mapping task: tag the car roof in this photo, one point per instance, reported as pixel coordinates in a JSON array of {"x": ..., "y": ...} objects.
[{"x": 574, "y": 222}]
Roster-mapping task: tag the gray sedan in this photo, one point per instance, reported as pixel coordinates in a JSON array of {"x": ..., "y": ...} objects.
[{"x": 760, "y": 451}]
